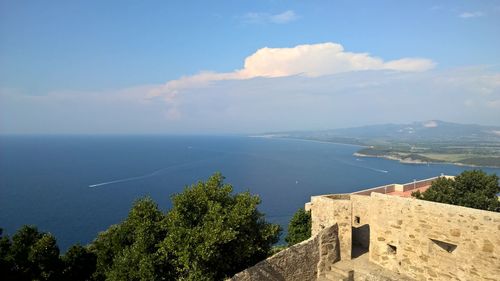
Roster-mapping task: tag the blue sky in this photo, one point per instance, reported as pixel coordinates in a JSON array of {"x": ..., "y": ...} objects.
[{"x": 134, "y": 66}]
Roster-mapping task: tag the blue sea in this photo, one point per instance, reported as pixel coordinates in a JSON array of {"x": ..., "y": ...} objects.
[{"x": 76, "y": 186}]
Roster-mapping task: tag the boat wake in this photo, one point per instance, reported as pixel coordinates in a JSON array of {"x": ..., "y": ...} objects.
[
  {"x": 121, "y": 180},
  {"x": 144, "y": 176},
  {"x": 370, "y": 168},
  {"x": 363, "y": 167},
  {"x": 378, "y": 170}
]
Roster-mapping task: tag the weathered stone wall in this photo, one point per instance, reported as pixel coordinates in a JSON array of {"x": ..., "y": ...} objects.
[
  {"x": 330, "y": 210},
  {"x": 301, "y": 262},
  {"x": 361, "y": 220},
  {"x": 329, "y": 248},
  {"x": 433, "y": 241}
]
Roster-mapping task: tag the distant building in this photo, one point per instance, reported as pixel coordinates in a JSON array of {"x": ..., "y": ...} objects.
[{"x": 402, "y": 190}]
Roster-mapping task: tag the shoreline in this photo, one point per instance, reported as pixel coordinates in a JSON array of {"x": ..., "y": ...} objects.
[
  {"x": 419, "y": 162},
  {"x": 308, "y": 140},
  {"x": 388, "y": 157}
]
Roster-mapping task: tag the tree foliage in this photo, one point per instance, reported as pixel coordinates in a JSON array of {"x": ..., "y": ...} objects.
[
  {"x": 30, "y": 255},
  {"x": 129, "y": 250},
  {"x": 209, "y": 234},
  {"x": 299, "y": 228},
  {"x": 44, "y": 258},
  {"x": 79, "y": 264},
  {"x": 214, "y": 233},
  {"x": 474, "y": 189},
  {"x": 6, "y": 259}
]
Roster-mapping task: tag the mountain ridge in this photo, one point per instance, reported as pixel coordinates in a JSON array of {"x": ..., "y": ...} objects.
[{"x": 417, "y": 142}]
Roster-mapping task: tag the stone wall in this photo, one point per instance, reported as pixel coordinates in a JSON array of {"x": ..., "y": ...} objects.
[
  {"x": 329, "y": 249},
  {"x": 330, "y": 210},
  {"x": 360, "y": 205},
  {"x": 433, "y": 241},
  {"x": 301, "y": 262},
  {"x": 420, "y": 239}
]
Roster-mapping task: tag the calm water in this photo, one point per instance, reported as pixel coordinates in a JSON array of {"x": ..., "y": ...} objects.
[{"x": 75, "y": 187}]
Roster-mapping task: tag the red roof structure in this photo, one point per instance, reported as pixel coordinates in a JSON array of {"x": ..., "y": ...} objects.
[{"x": 402, "y": 190}]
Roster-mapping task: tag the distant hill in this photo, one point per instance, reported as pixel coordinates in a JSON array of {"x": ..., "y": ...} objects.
[
  {"x": 433, "y": 130},
  {"x": 428, "y": 141}
]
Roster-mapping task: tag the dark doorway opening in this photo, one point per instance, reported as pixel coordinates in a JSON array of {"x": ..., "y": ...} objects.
[{"x": 360, "y": 240}]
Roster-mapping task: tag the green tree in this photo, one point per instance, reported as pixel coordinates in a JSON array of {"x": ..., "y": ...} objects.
[
  {"x": 473, "y": 189},
  {"x": 214, "y": 233},
  {"x": 299, "y": 228},
  {"x": 79, "y": 264},
  {"x": 6, "y": 260},
  {"x": 210, "y": 233},
  {"x": 44, "y": 258},
  {"x": 22, "y": 241},
  {"x": 30, "y": 255},
  {"x": 129, "y": 250}
]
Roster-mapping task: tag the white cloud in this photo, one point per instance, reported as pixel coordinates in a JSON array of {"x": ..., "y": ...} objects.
[
  {"x": 285, "y": 17},
  {"x": 317, "y": 86},
  {"x": 111, "y": 111},
  {"x": 430, "y": 124},
  {"x": 262, "y": 18},
  {"x": 494, "y": 104},
  {"x": 469, "y": 15},
  {"x": 320, "y": 59},
  {"x": 467, "y": 95},
  {"x": 409, "y": 65},
  {"x": 307, "y": 60},
  {"x": 340, "y": 100}
]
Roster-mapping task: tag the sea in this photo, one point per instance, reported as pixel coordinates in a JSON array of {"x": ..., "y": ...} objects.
[{"x": 76, "y": 186}]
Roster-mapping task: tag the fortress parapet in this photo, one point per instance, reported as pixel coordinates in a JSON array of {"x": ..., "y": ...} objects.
[
  {"x": 383, "y": 233},
  {"x": 420, "y": 239}
]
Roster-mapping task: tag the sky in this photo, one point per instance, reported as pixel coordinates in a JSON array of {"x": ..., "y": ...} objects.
[{"x": 244, "y": 67}]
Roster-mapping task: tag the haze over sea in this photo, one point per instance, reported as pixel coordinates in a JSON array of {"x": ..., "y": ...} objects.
[{"x": 76, "y": 186}]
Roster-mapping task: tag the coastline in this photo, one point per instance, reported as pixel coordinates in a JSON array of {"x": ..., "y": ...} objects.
[
  {"x": 388, "y": 157},
  {"x": 308, "y": 140},
  {"x": 401, "y": 160},
  {"x": 419, "y": 162}
]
